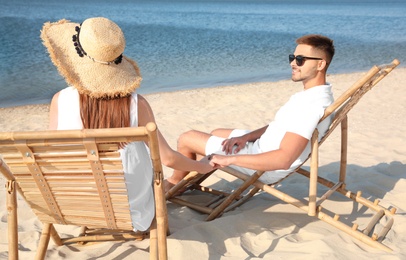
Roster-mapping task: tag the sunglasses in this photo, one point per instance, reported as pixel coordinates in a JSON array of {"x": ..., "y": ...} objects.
[{"x": 300, "y": 59}]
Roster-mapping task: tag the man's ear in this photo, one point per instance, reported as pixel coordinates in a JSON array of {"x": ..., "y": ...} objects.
[{"x": 321, "y": 65}]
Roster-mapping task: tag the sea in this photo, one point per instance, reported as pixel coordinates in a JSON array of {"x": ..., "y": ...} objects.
[{"x": 189, "y": 44}]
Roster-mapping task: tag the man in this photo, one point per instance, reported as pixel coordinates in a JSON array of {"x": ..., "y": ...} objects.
[{"x": 281, "y": 146}]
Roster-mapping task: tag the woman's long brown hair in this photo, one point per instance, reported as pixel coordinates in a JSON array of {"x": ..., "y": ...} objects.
[{"x": 105, "y": 113}]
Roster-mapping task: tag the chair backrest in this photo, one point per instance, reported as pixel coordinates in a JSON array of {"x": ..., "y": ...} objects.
[
  {"x": 343, "y": 104},
  {"x": 76, "y": 176}
]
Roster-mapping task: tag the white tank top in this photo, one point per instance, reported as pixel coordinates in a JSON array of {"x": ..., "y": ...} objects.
[{"x": 136, "y": 161}]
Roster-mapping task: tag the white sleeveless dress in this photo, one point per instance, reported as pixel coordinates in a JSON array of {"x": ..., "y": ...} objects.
[{"x": 136, "y": 163}]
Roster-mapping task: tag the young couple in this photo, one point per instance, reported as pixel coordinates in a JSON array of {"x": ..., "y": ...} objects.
[{"x": 102, "y": 94}]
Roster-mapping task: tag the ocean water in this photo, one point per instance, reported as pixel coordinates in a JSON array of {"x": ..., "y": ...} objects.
[{"x": 193, "y": 44}]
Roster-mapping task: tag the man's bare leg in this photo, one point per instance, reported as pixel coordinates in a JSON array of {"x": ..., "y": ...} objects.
[
  {"x": 191, "y": 144},
  {"x": 222, "y": 132}
]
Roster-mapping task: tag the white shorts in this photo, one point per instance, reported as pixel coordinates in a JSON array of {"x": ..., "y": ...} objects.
[{"x": 213, "y": 145}]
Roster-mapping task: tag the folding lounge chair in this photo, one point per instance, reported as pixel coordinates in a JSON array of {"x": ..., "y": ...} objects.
[
  {"x": 75, "y": 177},
  {"x": 222, "y": 201}
]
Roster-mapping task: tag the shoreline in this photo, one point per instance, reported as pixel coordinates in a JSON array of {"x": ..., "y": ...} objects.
[
  {"x": 196, "y": 87},
  {"x": 11, "y": 118}
]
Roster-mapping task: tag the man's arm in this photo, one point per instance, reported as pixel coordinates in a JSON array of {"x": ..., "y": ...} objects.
[
  {"x": 292, "y": 145},
  {"x": 254, "y": 135}
]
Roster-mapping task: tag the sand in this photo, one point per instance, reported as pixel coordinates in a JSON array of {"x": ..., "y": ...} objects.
[{"x": 264, "y": 227}]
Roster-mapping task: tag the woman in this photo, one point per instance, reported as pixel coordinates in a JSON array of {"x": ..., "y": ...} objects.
[{"x": 101, "y": 94}]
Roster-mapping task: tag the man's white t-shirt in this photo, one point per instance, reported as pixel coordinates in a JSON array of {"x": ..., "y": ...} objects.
[{"x": 300, "y": 115}]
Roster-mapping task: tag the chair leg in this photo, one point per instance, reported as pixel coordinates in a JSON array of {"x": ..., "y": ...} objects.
[
  {"x": 313, "y": 174},
  {"x": 344, "y": 141},
  {"x": 55, "y": 236},
  {"x": 82, "y": 233},
  {"x": 353, "y": 231},
  {"x": 153, "y": 241},
  {"x": 12, "y": 220},
  {"x": 243, "y": 200},
  {"x": 161, "y": 220},
  {"x": 44, "y": 241},
  {"x": 247, "y": 183},
  {"x": 334, "y": 221},
  {"x": 182, "y": 184}
]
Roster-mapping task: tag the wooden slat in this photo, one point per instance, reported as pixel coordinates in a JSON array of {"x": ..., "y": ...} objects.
[
  {"x": 63, "y": 160},
  {"x": 39, "y": 179},
  {"x": 137, "y": 133}
]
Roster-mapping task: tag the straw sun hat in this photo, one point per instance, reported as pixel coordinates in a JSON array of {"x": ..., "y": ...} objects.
[{"x": 90, "y": 57}]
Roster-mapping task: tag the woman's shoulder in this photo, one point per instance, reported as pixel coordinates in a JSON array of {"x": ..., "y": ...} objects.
[
  {"x": 68, "y": 91},
  {"x": 145, "y": 113},
  {"x": 63, "y": 93}
]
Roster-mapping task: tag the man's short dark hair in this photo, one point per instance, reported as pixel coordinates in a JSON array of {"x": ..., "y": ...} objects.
[{"x": 319, "y": 42}]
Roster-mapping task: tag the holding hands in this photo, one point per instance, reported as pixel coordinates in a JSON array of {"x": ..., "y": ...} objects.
[
  {"x": 218, "y": 161},
  {"x": 205, "y": 165},
  {"x": 230, "y": 146}
]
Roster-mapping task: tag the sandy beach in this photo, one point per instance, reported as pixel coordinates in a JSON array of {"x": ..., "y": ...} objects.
[{"x": 264, "y": 227}]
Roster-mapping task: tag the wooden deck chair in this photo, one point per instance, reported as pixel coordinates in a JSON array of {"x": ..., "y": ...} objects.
[
  {"x": 221, "y": 201},
  {"x": 75, "y": 177}
]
